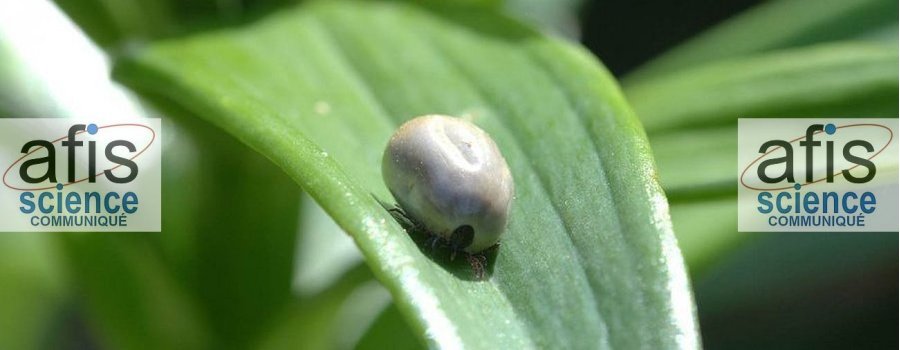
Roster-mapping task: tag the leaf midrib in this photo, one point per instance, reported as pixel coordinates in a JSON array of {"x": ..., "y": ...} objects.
[
  {"x": 396, "y": 119},
  {"x": 543, "y": 180},
  {"x": 637, "y": 273}
]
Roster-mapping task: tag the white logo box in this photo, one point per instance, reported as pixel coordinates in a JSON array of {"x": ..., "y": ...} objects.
[
  {"x": 114, "y": 184},
  {"x": 870, "y": 143}
]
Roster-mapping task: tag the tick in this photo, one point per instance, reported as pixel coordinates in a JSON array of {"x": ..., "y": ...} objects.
[{"x": 452, "y": 183}]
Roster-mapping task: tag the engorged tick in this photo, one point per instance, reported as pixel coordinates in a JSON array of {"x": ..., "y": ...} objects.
[{"x": 450, "y": 182}]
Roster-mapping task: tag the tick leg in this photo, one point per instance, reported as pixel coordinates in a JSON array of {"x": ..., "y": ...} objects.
[
  {"x": 477, "y": 265},
  {"x": 400, "y": 216},
  {"x": 433, "y": 242},
  {"x": 454, "y": 247}
]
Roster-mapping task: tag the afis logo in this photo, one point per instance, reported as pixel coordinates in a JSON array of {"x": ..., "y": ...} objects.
[
  {"x": 817, "y": 175},
  {"x": 72, "y": 175}
]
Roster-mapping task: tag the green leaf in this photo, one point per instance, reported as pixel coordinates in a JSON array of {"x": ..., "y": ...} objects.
[
  {"x": 333, "y": 319},
  {"x": 696, "y": 163},
  {"x": 34, "y": 289},
  {"x": 779, "y": 24},
  {"x": 324, "y": 252},
  {"x": 556, "y": 17},
  {"x": 112, "y": 22},
  {"x": 116, "y": 23},
  {"x": 215, "y": 278},
  {"x": 589, "y": 259},
  {"x": 696, "y": 110},
  {"x": 843, "y": 79},
  {"x": 337, "y": 295},
  {"x": 389, "y": 332},
  {"x": 237, "y": 257},
  {"x": 691, "y": 116},
  {"x": 133, "y": 301},
  {"x": 707, "y": 229}
]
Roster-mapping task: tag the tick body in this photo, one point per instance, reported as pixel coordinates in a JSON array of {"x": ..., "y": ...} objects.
[{"x": 449, "y": 178}]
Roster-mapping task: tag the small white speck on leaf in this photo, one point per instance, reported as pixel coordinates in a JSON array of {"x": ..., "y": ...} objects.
[{"x": 322, "y": 107}]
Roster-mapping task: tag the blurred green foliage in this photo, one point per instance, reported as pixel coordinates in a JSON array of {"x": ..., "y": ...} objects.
[
  {"x": 787, "y": 58},
  {"x": 225, "y": 279},
  {"x": 822, "y": 62}
]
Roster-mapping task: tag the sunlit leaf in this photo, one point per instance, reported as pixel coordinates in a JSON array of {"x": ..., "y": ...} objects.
[
  {"x": 780, "y": 24},
  {"x": 692, "y": 114},
  {"x": 589, "y": 259},
  {"x": 859, "y": 79}
]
